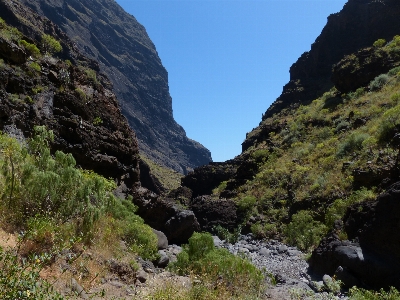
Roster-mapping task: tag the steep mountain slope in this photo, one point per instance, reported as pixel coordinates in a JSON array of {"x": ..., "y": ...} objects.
[
  {"x": 66, "y": 93},
  {"x": 357, "y": 25},
  {"x": 105, "y": 32},
  {"x": 322, "y": 146}
]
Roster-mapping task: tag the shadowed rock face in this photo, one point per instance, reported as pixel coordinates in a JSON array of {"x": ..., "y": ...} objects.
[{"x": 105, "y": 32}]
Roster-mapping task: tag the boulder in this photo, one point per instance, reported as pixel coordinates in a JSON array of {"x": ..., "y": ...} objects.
[
  {"x": 161, "y": 214},
  {"x": 212, "y": 212},
  {"x": 375, "y": 258},
  {"x": 162, "y": 240}
]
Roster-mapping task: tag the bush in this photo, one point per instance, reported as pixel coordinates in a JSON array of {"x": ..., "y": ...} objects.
[
  {"x": 352, "y": 143},
  {"x": 35, "y": 66},
  {"x": 21, "y": 280},
  {"x": 246, "y": 203},
  {"x": 394, "y": 71},
  {"x": 50, "y": 45},
  {"x": 356, "y": 293},
  {"x": 378, "y": 82},
  {"x": 379, "y": 43},
  {"x": 304, "y": 232},
  {"x": 395, "y": 42},
  {"x": 81, "y": 94},
  {"x": 224, "y": 234},
  {"x": 390, "y": 119},
  {"x": 263, "y": 231},
  {"x": 31, "y": 48},
  {"x": 218, "y": 265}
]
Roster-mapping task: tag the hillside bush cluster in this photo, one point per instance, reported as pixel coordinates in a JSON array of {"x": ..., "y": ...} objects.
[{"x": 53, "y": 204}]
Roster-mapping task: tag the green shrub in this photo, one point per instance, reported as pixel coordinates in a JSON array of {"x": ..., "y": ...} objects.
[
  {"x": 28, "y": 99},
  {"x": 386, "y": 128},
  {"x": 21, "y": 279},
  {"x": 260, "y": 155},
  {"x": 378, "y": 82},
  {"x": 81, "y": 94},
  {"x": 395, "y": 42},
  {"x": 356, "y": 293},
  {"x": 394, "y": 71},
  {"x": 221, "y": 187},
  {"x": 97, "y": 121},
  {"x": 203, "y": 259},
  {"x": 224, "y": 234},
  {"x": 31, "y": 48},
  {"x": 304, "y": 232},
  {"x": 50, "y": 45},
  {"x": 352, "y": 143},
  {"x": 263, "y": 231},
  {"x": 246, "y": 203},
  {"x": 35, "y": 66},
  {"x": 379, "y": 43}
]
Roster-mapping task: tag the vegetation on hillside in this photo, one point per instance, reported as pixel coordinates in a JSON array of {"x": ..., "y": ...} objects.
[
  {"x": 220, "y": 274},
  {"x": 307, "y": 179},
  {"x": 169, "y": 178}
]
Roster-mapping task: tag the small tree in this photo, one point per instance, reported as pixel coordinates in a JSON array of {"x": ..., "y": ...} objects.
[
  {"x": 50, "y": 45},
  {"x": 379, "y": 43}
]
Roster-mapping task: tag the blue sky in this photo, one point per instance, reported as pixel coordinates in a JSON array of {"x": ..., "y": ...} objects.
[{"x": 227, "y": 60}]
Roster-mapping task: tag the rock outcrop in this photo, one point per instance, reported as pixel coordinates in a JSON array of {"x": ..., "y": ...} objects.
[
  {"x": 72, "y": 99},
  {"x": 104, "y": 32}
]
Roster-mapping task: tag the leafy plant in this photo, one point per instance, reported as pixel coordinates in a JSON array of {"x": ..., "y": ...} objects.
[
  {"x": 225, "y": 234},
  {"x": 50, "y": 45},
  {"x": 218, "y": 265},
  {"x": 356, "y": 293},
  {"x": 21, "y": 280},
  {"x": 81, "y": 94},
  {"x": 303, "y": 231},
  {"x": 379, "y": 43},
  {"x": 97, "y": 121},
  {"x": 352, "y": 143},
  {"x": 378, "y": 82},
  {"x": 31, "y": 48}
]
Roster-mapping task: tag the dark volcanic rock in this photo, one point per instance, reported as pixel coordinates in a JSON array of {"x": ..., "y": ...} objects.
[
  {"x": 212, "y": 212},
  {"x": 83, "y": 114},
  {"x": 177, "y": 224},
  {"x": 206, "y": 178},
  {"x": 375, "y": 259},
  {"x": 106, "y": 33}
]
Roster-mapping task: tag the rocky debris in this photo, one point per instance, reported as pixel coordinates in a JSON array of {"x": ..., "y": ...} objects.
[
  {"x": 213, "y": 212},
  {"x": 284, "y": 266},
  {"x": 103, "y": 31},
  {"x": 161, "y": 214},
  {"x": 373, "y": 260}
]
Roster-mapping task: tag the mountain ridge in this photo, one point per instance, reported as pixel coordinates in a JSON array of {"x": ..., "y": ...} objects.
[{"x": 105, "y": 32}]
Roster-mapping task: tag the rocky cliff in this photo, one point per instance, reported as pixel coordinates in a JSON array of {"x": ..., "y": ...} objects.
[
  {"x": 359, "y": 24},
  {"x": 106, "y": 33},
  {"x": 66, "y": 93}
]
